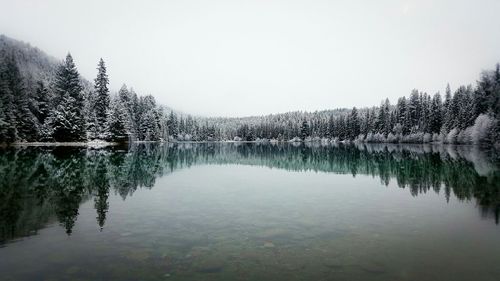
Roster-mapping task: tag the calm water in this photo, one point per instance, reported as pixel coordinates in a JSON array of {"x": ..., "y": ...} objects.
[{"x": 250, "y": 212}]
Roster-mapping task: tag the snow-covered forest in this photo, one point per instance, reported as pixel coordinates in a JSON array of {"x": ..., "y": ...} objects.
[{"x": 42, "y": 100}]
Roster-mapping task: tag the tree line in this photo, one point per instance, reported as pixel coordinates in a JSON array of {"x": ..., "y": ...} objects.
[
  {"x": 468, "y": 115},
  {"x": 65, "y": 111}
]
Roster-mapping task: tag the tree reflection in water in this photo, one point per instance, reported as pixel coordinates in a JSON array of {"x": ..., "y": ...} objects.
[{"x": 40, "y": 184}]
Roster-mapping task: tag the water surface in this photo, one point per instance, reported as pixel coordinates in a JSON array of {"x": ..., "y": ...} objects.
[{"x": 250, "y": 212}]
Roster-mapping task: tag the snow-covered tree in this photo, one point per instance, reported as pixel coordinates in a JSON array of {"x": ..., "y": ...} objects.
[
  {"x": 436, "y": 115},
  {"x": 483, "y": 131},
  {"x": 101, "y": 101},
  {"x": 304, "y": 129},
  {"x": 67, "y": 120},
  {"x": 354, "y": 125},
  {"x": 148, "y": 125},
  {"x": 172, "y": 125},
  {"x": 8, "y": 107},
  {"x": 116, "y": 123}
]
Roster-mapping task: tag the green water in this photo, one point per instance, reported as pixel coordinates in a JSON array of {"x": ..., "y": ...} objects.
[{"x": 250, "y": 212}]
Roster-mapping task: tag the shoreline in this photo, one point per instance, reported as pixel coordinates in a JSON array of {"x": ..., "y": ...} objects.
[
  {"x": 90, "y": 144},
  {"x": 103, "y": 144}
]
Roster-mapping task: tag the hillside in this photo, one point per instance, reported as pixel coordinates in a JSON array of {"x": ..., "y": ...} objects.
[{"x": 33, "y": 63}]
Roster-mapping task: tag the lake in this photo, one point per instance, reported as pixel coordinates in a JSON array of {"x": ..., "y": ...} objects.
[{"x": 242, "y": 211}]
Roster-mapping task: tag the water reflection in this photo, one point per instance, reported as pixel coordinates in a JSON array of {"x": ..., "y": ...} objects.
[{"x": 42, "y": 184}]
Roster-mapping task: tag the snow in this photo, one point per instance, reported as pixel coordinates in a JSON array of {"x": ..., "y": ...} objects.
[{"x": 90, "y": 144}]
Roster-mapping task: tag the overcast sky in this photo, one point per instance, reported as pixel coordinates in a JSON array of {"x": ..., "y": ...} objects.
[{"x": 237, "y": 58}]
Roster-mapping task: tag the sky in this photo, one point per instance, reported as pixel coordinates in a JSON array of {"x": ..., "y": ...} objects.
[{"x": 240, "y": 58}]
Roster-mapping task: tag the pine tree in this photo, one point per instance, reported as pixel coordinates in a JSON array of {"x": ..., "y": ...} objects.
[
  {"x": 331, "y": 126},
  {"x": 129, "y": 100},
  {"x": 383, "y": 119},
  {"x": 116, "y": 124},
  {"x": 20, "y": 122},
  {"x": 447, "y": 111},
  {"x": 354, "y": 126},
  {"x": 304, "y": 129},
  {"x": 8, "y": 108},
  {"x": 26, "y": 121},
  {"x": 414, "y": 111},
  {"x": 42, "y": 109},
  {"x": 94, "y": 131},
  {"x": 42, "y": 102},
  {"x": 101, "y": 105},
  {"x": 483, "y": 94},
  {"x": 495, "y": 99},
  {"x": 436, "y": 116},
  {"x": 68, "y": 120},
  {"x": 172, "y": 125},
  {"x": 148, "y": 125}
]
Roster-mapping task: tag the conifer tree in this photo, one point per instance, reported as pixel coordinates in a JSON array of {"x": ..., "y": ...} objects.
[
  {"x": 148, "y": 125},
  {"x": 354, "y": 126},
  {"x": 101, "y": 103},
  {"x": 68, "y": 120},
  {"x": 304, "y": 129},
  {"x": 8, "y": 108},
  {"x": 116, "y": 124},
  {"x": 447, "y": 111},
  {"x": 436, "y": 118},
  {"x": 172, "y": 125},
  {"x": 42, "y": 102}
]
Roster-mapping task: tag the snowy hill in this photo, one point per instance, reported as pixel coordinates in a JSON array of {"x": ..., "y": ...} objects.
[{"x": 33, "y": 63}]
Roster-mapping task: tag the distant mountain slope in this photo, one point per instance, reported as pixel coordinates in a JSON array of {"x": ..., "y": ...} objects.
[{"x": 33, "y": 63}]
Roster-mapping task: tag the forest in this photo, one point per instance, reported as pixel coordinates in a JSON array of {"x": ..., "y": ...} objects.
[{"x": 42, "y": 100}]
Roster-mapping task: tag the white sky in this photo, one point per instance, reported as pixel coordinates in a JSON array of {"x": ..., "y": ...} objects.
[{"x": 237, "y": 58}]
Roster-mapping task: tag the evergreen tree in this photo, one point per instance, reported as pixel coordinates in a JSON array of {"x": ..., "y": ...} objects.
[
  {"x": 354, "y": 126},
  {"x": 42, "y": 102},
  {"x": 148, "y": 125},
  {"x": 401, "y": 111},
  {"x": 92, "y": 127},
  {"x": 304, "y": 129},
  {"x": 101, "y": 105},
  {"x": 25, "y": 124},
  {"x": 414, "y": 111},
  {"x": 26, "y": 121},
  {"x": 495, "y": 99},
  {"x": 448, "y": 111},
  {"x": 331, "y": 127},
  {"x": 129, "y": 100},
  {"x": 68, "y": 120},
  {"x": 172, "y": 124},
  {"x": 436, "y": 118},
  {"x": 117, "y": 122},
  {"x": 8, "y": 108},
  {"x": 384, "y": 120},
  {"x": 42, "y": 109}
]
